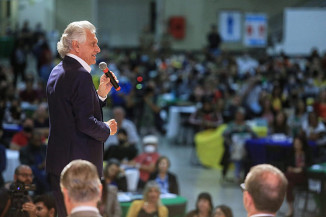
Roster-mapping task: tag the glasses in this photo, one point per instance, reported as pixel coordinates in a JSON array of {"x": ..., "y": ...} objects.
[
  {"x": 25, "y": 175},
  {"x": 243, "y": 187}
]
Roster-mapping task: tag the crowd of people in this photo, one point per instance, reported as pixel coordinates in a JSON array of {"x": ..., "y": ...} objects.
[{"x": 288, "y": 94}]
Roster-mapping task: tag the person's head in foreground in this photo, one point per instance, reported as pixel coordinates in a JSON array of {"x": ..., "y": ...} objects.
[
  {"x": 45, "y": 206},
  {"x": 80, "y": 185},
  {"x": 222, "y": 211},
  {"x": 152, "y": 193},
  {"x": 79, "y": 39},
  {"x": 204, "y": 204},
  {"x": 264, "y": 190}
]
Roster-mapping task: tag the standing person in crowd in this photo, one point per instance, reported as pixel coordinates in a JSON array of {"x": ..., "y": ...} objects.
[
  {"x": 150, "y": 205},
  {"x": 222, "y": 211},
  {"x": 77, "y": 130},
  {"x": 263, "y": 190},
  {"x": 18, "y": 61},
  {"x": 235, "y": 136},
  {"x": 299, "y": 160},
  {"x": 214, "y": 41},
  {"x": 45, "y": 206},
  {"x": 204, "y": 206},
  {"x": 166, "y": 180},
  {"x": 146, "y": 161},
  {"x": 206, "y": 117},
  {"x": 81, "y": 188}
]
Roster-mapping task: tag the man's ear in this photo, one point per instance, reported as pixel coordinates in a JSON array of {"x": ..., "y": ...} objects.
[
  {"x": 75, "y": 46},
  {"x": 248, "y": 199},
  {"x": 65, "y": 194},
  {"x": 52, "y": 212},
  {"x": 101, "y": 190}
]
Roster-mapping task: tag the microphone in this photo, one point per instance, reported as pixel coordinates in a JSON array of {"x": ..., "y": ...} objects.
[{"x": 104, "y": 67}]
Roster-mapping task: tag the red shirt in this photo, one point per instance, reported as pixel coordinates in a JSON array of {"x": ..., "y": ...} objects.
[
  {"x": 20, "y": 139},
  {"x": 146, "y": 159}
]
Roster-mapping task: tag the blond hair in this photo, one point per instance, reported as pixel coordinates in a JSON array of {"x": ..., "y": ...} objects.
[
  {"x": 74, "y": 31},
  {"x": 81, "y": 180}
]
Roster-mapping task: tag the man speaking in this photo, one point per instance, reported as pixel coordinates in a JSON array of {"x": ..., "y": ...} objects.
[{"x": 77, "y": 130}]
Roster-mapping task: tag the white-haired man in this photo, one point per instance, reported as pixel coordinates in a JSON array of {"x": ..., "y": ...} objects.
[
  {"x": 81, "y": 187},
  {"x": 77, "y": 130}
]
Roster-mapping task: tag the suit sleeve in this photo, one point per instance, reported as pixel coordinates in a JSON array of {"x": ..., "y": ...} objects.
[{"x": 84, "y": 108}]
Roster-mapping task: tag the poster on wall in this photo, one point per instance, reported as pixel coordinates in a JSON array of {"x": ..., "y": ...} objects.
[
  {"x": 255, "y": 30},
  {"x": 230, "y": 26}
]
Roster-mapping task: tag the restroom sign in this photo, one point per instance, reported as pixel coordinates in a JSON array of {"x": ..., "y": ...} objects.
[{"x": 255, "y": 30}]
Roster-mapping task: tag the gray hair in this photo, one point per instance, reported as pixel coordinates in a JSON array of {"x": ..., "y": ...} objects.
[
  {"x": 81, "y": 180},
  {"x": 149, "y": 185},
  {"x": 74, "y": 31}
]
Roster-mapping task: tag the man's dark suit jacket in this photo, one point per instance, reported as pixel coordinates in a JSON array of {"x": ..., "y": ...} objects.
[{"x": 76, "y": 127}]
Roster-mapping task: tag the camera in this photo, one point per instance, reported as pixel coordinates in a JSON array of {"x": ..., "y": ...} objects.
[{"x": 19, "y": 196}]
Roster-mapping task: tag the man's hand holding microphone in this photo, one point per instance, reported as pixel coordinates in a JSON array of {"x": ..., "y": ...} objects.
[{"x": 107, "y": 81}]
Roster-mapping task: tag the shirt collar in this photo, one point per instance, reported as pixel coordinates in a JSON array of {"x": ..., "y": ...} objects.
[
  {"x": 262, "y": 215},
  {"x": 81, "y": 61},
  {"x": 84, "y": 208}
]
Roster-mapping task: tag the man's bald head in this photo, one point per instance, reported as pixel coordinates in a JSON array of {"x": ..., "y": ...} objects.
[{"x": 267, "y": 186}]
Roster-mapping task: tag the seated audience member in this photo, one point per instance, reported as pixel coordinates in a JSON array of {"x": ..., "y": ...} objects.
[
  {"x": 280, "y": 124},
  {"x": 204, "y": 206},
  {"x": 165, "y": 179},
  {"x": 124, "y": 151},
  {"x": 29, "y": 94},
  {"x": 235, "y": 136},
  {"x": 150, "y": 205},
  {"x": 114, "y": 175},
  {"x": 296, "y": 120},
  {"x": 109, "y": 205},
  {"x": 33, "y": 155},
  {"x": 146, "y": 161},
  {"x": 45, "y": 206},
  {"x": 299, "y": 160},
  {"x": 315, "y": 130},
  {"x": 21, "y": 138},
  {"x": 129, "y": 126},
  {"x": 206, "y": 117},
  {"x": 81, "y": 188},
  {"x": 267, "y": 111},
  {"x": 5, "y": 202},
  {"x": 23, "y": 176},
  {"x": 320, "y": 105},
  {"x": 41, "y": 120},
  {"x": 263, "y": 190},
  {"x": 222, "y": 211},
  {"x": 14, "y": 113},
  {"x": 3, "y": 162}
]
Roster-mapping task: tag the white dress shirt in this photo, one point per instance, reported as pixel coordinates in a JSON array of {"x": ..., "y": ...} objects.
[
  {"x": 84, "y": 208},
  {"x": 85, "y": 66}
]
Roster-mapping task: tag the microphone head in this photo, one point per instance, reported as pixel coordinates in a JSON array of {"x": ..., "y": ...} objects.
[{"x": 103, "y": 65}]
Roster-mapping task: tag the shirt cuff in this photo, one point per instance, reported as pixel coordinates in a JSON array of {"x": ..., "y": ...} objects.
[
  {"x": 108, "y": 126},
  {"x": 102, "y": 98}
]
